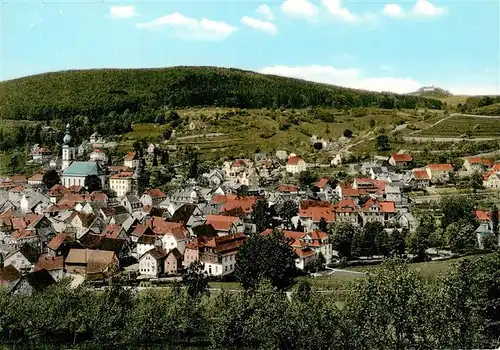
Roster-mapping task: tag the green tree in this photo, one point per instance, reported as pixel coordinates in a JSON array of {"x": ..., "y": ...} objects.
[
  {"x": 494, "y": 218},
  {"x": 242, "y": 191},
  {"x": 323, "y": 225},
  {"x": 51, "y": 178},
  {"x": 382, "y": 142},
  {"x": 195, "y": 279},
  {"x": 341, "y": 236},
  {"x": 306, "y": 179},
  {"x": 476, "y": 181},
  {"x": 92, "y": 183},
  {"x": 455, "y": 208},
  {"x": 268, "y": 257},
  {"x": 261, "y": 215},
  {"x": 397, "y": 242},
  {"x": 461, "y": 236},
  {"x": 287, "y": 211}
]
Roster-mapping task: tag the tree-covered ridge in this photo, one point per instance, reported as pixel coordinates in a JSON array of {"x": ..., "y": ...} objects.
[{"x": 95, "y": 93}]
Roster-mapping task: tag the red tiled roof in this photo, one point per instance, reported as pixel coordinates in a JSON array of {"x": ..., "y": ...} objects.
[
  {"x": 49, "y": 263},
  {"x": 287, "y": 188},
  {"x": 350, "y": 192},
  {"x": 123, "y": 175},
  {"x": 482, "y": 215},
  {"x": 57, "y": 191},
  {"x": 440, "y": 167},
  {"x": 130, "y": 156},
  {"x": 294, "y": 160},
  {"x": 347, "y": 206},
  {"x": 304, "y": 252},
  {"x": 245, "y": 203},
  {"x": 322, "y": 182},
  {"x": 239, "y": 162},
  {"x": 221, "y": 222},
  {"x": 36, "y": 177},
  {"x": 317, "y": 210},
  {"x": 402, "y": 157},
  {"x": 155, "y": 193},
  {"x": 225, "y": 244},
  {"x": 420, "y": 174},
  {"x": 19, "y": 188},
  {"x": 160, "y": 226},
  {"x": 57, "y": 241},
  {"x": 384, "y": 206},
  {"x": 112, "y": 231}
]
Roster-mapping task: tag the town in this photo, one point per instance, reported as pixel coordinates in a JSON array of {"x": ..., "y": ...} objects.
[{"x": 87, "y": 220}]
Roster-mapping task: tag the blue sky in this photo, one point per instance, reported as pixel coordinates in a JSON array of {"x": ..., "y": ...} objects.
[{"x": 377, "y": 45}]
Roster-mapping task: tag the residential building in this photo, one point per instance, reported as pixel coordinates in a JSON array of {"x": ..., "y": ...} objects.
[
  {"x": 131, "y": 160},
  {"x": 36, "y": 180},
  {"x": 218, "y": 254},
  {"x": 400, "y": 159},
  {"x": 420, "y": 178},
  {"x": 439, "y": 172},
  {"x": 225, "y": 225},
  {"x": 479, "y": 164},
  {"x": 295, "y": 165},
  {"x": 152, "y": 197},
  {"x": 33, "y": 282},
  {"x": 375, "y": 210},
  {"x": 152, "y": 263},
  {"x": 40, "y": 154},
  {"x": 122, "y": 183},
  {"x": 311, "y": 213},
  {"x": 53, "y": 264},
  {"x": 91, "y": 263},
  {"x": 131, "y": 203},
  {"x": 23, "y": 259},
  {"x": 98, "y": 155},
  {"x": 491, "y": 180},
  {"x": 173, "y": 262},
  {"x": 347, "y": 211}
]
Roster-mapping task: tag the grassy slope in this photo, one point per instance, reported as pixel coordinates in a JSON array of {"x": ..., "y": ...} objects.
[{"x": 97, "y": 92}]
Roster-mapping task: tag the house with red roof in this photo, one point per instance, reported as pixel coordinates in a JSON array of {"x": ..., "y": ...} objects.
[
  {"x": 131, "y": 160},
  {"x": 225, "y": 225},
  {"x": 420, "y": 178},
  {"x": 241, "y": 172},
  {"x": 400, "y": 159},
  {"x": 218, "y": 254},
  {"x": 325, "y": 189},
  {"x": 311, "y": 213},
  {"x": 491, "y": 179},
  {"x": 295, "y": 165},
  {"x": 347, "y": 211},
  {"x": 439, "y": 172},
  {"x": 172, "y": 234},
  {"x": 473, "y": 164},
  {"x": 152, "y": 197},
  {"x": 374, "y": 210},
  {"x": 306, "y": 245}
]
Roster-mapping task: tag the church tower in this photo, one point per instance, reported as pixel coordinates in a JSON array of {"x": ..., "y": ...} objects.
[{"x": 68, "y": 150}]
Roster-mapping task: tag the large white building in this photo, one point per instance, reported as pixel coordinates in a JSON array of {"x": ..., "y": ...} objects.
[
  {"x": 122, "y": 183},
  {"x": 295, "y": 165}
]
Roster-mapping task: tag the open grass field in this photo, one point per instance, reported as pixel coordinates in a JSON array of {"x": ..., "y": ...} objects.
[
  {"x": 430, "y": 269},
  {"x": 454, "y": 100}
]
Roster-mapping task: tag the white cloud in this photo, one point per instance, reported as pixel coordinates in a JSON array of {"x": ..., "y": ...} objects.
[
  {"x": 300, "y": 8},
  {"x": 393, "y": 10},
  {"x": 342, "y": 13},
  {"x": 259, "y": 25},
  {"x": 425, "y": 8},
  {"x": 265, "y": 11},
  {"x": 122, "y": 12},
  {"x": 353, "y": 78},
  {"x": 190, "y": 28}
]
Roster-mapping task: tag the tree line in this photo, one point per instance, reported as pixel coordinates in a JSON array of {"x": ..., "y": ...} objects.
[
  {"x": 95, "y": 93},
  {"x": 394, "y": 309}
]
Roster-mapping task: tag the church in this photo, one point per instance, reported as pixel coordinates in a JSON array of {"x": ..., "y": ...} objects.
[{"x": 74, "y": 172}]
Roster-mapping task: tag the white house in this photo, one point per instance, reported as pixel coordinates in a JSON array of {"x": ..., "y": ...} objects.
[
  {"x": 98, "y": 155},
  {"x": 295, "y": 165},
  {"x": 218, "y": 254},
  {"x": 491, "y": 180},
  {"x": 23, "y": 259},
  {"x": 122, "y": 183},
  {"x": 131, "y": 160},
  {"x": 152, "y": 263}
]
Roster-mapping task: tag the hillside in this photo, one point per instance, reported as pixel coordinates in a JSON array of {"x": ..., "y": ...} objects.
[
  {"x": 95, "y": 93},
  {"x": 432, "y": 92}
]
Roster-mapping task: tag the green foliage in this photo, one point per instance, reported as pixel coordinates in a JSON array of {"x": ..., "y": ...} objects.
[
  {"x": 92, "y": 183},
  {"x": 261, "y": 215},
  {"x": 195, "y": 279},
  {"x": 460, "y": 236},
  {"x": 341, "y": 237},
  {"x": 287, "y": 211},
  {"x": 307, "y": 178},
  {"x": 454, "y": 209},
  {"x": 267, "y": 257},
  {"x": 51, "y": 178},
  {"x": 383, "y": 142},
  {"x": 145, "y": 91},
  {"x": 397, "y": 242}
]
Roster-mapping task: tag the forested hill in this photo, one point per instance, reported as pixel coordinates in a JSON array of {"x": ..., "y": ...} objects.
[{"x": 97, "y": 92}]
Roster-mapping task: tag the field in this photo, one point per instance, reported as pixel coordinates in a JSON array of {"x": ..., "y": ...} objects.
[
  {"x": 459, "y": 125},
  {"x": 454, "y": 100},
  {"x": 244, "y": 131}
]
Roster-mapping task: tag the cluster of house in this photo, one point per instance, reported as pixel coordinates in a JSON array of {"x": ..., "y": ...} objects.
[{"x": 46, "y": 235}]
